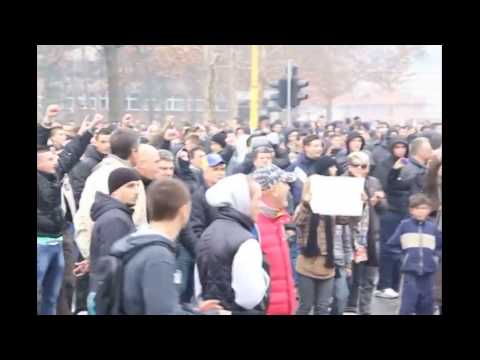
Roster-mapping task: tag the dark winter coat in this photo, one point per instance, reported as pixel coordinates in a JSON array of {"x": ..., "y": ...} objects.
[
  {"x": 202, "y": 214},
  {"x": 383, "y": 168},
  {"x": 79, "y": 174},
  {"x": 50, "y": 219},
  {"x": 404, "y": 182},
  {"x": 216, "y": 251},
  {"x": 113, "y": 221}
]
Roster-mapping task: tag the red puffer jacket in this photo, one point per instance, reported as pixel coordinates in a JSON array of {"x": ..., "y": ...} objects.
[{"x": 275, "y": 246}]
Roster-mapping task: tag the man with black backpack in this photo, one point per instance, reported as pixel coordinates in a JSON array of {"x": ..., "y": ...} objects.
[
  {"x": 112, "y": 215},
  {"x": 139, "y": 276}
]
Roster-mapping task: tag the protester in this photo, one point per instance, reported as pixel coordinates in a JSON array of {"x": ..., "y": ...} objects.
[
  {"x": 149, "y": 275},
  {"x": 112, "y": 215},
  {"x": 95, "y": 153},
  {"x": 420, "y": 242},
  {"x": 51, "y": 169},
  {"x": 229, "y": 256},
  {"x": 398, "y": 149},
  {"x": 166, "y": 167},
  {"x": 293, "y": 145},
  {"x": 403, "y": 181},
  {"x": 124, "y": 153},
  {"x": 355, "y": 142},
  {"x": 148, "y": 163},
  {"x": 202, "y": 213},
  {"x": 366, "y": 232},
  {"x": 197, "y": 159},
  {"x": 433, "y": 189},
  {"x": 271, "y": 221},
  {"x": 315, "y": 263},
  {"x": 304, "y": 167},
  {"x": 219, "y": 146}
]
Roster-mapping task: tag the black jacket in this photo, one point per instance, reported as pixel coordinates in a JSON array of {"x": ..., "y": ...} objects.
[
  {"x": 83, "y": 169},
  {"x": 50, "y": 219},
  {"x": 227, "y": 153},
  {"x": 184, "y": 173},
  {"x": 202, "y": 214},
  {"x": 383, "y": 168},
  {"x": 149, "y": 287},
  {"x": 215, "y": 253},
  {"x": 402, "y": 183},
  {"x": 113, "y": 220}
]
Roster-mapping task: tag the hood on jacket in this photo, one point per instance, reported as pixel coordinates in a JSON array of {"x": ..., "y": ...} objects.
[
  {"x": 354, "y": 135},
  {"x": 434, "y": 137},
  {"x": 232, "y": 191},
  {"x": 140, "y": 238},
  {"x": 395, "y": 141},
  {"x": 93, "y": 153},
  {"x": 104, "y": 203}
]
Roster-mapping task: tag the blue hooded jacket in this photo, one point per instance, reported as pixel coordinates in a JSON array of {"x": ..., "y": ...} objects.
[{"x": 420, "y": 243}]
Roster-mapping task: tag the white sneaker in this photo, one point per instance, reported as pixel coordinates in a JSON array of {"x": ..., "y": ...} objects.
[
  {"x": 386, "y": 294},
  {"x": 82, "y": 313}
]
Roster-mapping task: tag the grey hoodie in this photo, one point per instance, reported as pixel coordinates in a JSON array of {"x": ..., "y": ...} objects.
[
  {"x": 231, "y": 191},
  {"x": 149, "y": 282}
]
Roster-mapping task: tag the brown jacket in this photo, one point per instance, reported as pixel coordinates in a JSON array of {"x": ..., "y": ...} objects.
[{"x": 312, "y": 267}]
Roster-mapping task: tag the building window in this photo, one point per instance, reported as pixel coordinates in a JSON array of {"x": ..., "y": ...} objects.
[
  {"x": 175, "y": 104},
  {"x": 92, "y": 103},
  {"x": 199, "y": 105},
  {"x": 104, "y": 103},
  {"x": 133, "y": 104},
  {"x": 221, "y": 106},
  {"x": 68, "y": 103},
  {"x": 82, "y": 102}
]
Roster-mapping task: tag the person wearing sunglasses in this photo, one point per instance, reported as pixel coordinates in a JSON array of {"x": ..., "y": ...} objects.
[{"x": 365, "y": 231}]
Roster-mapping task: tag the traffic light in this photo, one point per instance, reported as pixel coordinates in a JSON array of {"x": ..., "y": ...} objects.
[
  {"x": 280, "y": 97},
  {"x": 297, "y": 94}
]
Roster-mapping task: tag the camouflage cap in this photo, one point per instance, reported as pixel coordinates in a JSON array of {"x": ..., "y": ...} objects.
[{"x": 268, "y": 176}]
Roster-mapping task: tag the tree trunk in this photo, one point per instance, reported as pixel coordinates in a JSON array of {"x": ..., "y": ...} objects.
[
  {"x": 231, "y": 88},
  {"x": 211, "y": 92},
  {"x": 114, "y": 95}
]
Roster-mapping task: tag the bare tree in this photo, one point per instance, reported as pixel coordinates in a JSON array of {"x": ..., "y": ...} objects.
[{"x": 113, "y": 81}]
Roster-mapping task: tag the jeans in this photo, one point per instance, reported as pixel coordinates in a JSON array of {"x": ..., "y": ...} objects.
[
  {"x": 50, "y": 268},
  {"x": 91, "y": 308},
  {"x": 389, "y": 264},
  {"x": 340, "y": 292},
  {"x": 362, "y": 285},
  {"x": 293, "y": 258},
  {"x": 65, "y": 298},
  {"x": 185, "y": 264},
  {"x": 314, "y": 293}
]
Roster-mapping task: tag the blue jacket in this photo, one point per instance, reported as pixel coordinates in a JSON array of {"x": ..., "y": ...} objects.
[{"x": 420, "y": 244}]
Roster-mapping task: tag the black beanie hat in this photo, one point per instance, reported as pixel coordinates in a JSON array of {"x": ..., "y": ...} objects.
[
  {"x": 220, "y": 138},
  {"x": 120, "y": 177},
  {"x": 354, "y": 135},
  {"x": 323, "y": 164}
]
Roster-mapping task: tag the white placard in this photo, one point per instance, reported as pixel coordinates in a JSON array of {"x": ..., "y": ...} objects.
[{"x": 337, "y": 195}]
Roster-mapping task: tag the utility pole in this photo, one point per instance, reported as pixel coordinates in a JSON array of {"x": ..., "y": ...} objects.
[{"x": 254, "y": 88}]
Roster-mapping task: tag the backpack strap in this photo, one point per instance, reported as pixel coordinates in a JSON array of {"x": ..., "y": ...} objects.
[{"x": 125, "y": 258}]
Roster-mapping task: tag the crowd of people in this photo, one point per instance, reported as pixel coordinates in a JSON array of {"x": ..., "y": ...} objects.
[{"x": 162, "y": 220}]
